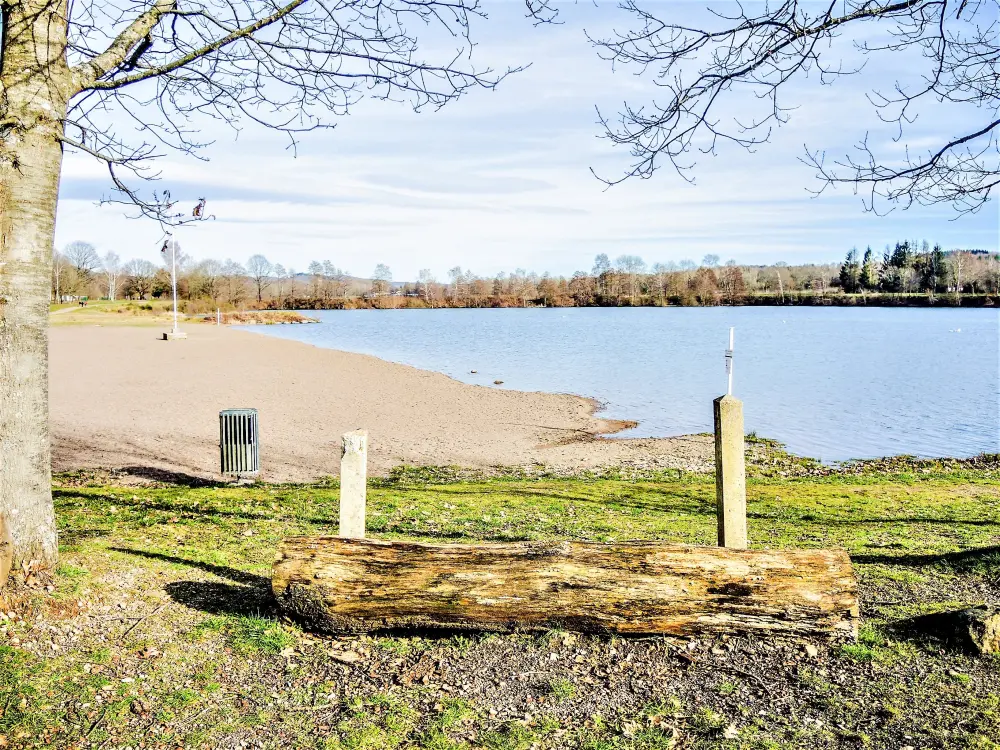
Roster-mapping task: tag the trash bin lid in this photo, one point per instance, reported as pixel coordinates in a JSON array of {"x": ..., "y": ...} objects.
[{"x": 238, "y": 412}]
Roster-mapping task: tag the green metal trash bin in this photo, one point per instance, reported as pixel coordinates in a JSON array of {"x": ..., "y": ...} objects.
[{"x": 239, "y": 442}]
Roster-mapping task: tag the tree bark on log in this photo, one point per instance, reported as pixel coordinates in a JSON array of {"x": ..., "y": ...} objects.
[{"x": 637, "y": 588}]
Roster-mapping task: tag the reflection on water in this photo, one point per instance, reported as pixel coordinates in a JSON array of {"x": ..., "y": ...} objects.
[{"x": 831, "y": 382}]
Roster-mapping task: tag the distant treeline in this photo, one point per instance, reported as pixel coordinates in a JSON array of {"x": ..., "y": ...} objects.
[{"x": 908, "y": 274}]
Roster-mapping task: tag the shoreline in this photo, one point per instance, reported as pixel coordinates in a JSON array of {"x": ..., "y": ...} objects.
[
  {"x": 124, "y": 400},
  {"x": 968, "y": 300}
]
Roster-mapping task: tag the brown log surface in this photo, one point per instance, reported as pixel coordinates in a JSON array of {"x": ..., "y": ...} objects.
[{"x": 360, "y": 585}]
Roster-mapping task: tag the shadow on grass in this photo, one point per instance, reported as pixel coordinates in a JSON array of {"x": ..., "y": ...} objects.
[
  {"x": 893, "y": 521},
  {"x": 468, "y": 536},
  {"x": 75, "y": 536},
  {"x": 250, "y": 594},
  {"x": 223, "y": 571},
  {"x": 957, "y": 630},
  {"x": 671, "y": 503},
  {"x": 193, "y": 511},
  {"x": 224, "y": 598},
  {"x": 166, "y": 476},
  {"x": 979, "y": 560}
]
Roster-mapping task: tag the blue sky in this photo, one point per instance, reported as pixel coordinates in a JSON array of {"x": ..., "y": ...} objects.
[{"x": 500, "y": 180}]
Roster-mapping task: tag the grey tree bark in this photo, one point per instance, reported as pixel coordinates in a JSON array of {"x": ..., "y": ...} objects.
[{"x": 34, "y": 91}]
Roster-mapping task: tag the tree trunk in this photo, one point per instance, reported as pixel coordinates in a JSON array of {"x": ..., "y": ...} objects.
[
  {"x": 33, "y": 98},
  {"x": 358, "y": 585}
]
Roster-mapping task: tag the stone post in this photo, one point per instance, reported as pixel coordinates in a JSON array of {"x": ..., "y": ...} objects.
[
  {"x": 730, "y": 473},
  {"x": 353, "y": 484}
]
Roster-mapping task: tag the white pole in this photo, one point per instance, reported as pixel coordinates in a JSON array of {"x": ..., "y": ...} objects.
[
  {"x": 729, "y": 361},
  {"x": 173, "y": 278}
]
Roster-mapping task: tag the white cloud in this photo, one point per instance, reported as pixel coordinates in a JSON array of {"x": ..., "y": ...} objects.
[{"x": 502, "y": 179}]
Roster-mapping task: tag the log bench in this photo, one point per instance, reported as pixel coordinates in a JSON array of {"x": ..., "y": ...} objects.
[{"x": 340, "y": 585}]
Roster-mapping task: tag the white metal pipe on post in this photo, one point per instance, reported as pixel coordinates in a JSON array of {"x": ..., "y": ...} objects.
[
  {"x": 729, "y": 361},
  {"x": 173, "y": 279},
  {"x": 730, "y": 469}
]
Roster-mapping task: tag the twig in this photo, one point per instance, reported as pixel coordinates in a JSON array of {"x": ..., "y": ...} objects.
[
  {"x": 115, "y": 617},
  {"x": 97, "y": 721},
  {"x": 188, "y": 720},
  {"x": 141, "y": 620},
  {"x": 749, "y": 675}
]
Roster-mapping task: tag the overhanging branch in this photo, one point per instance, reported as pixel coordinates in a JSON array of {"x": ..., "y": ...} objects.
[
  {"x": 702, "y": 69},
  {"x": 207, "y": 49},
  {"x": 118, "y": 52}
]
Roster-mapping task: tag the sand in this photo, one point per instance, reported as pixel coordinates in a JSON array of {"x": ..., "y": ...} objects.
[{"x": 123, "y": 399}]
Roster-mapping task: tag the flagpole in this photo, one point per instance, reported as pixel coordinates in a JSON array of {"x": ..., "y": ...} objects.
[
  {"x": 172, "y": 244},
  {"x": 173, "y": 277}
]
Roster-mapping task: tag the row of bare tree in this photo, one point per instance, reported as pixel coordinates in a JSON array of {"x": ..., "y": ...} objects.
[
  {"x": 79, "y": 270},
  {"x": 627, "y": 280}
]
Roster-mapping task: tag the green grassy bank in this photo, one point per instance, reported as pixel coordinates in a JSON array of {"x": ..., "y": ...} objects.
[{"x": 158, "y": 630}]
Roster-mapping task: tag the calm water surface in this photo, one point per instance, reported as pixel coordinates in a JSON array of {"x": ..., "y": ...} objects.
[{"x": 834, "y": 383}]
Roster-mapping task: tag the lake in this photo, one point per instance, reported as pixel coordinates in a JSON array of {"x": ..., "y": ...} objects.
[{"x": 832, "y": 382}]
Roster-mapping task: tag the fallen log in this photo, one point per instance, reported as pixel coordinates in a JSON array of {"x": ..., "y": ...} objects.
[{"x": 339, "y": 585}]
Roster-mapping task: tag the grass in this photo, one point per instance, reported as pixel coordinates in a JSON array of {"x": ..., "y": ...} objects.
[
  {"x": 119, "y": 312},
  {"x": 248, "y": 634},
  {"x": 159, "y": 630},
  {"x": 159, "y": 312},
  {"x": 562, "y": 689}
]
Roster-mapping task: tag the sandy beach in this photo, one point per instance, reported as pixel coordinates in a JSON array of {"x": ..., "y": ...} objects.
[{"x": 123, "y": 399}]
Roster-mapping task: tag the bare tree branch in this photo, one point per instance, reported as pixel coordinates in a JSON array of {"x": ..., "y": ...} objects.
[
  {"x": 117, "y": 53},
  {"x": 163, "y": 66},
  {"x": 206, "y": 49},
  {"x": 703, "y": 71}
]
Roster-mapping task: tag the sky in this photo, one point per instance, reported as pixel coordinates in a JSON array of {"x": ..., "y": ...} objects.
[{"x": 502, "y": 179}]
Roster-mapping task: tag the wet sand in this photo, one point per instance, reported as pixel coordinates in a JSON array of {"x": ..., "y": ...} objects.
[{"x": 123, "y": 399}]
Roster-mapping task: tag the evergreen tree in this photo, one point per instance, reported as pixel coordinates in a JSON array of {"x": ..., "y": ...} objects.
[
  {"x": 931, "y": 270},
  {"x": 895, "y": 264},
  {"x": 850, "y": 273},
  {"x": 902, "y": 256},
  {"x": 940, "y": 269},
  {"x": 869, "y": 273}
]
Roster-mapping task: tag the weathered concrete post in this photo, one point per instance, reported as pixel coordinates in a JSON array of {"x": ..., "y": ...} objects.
[
  {"x": 353, "y": 484},
  {"x": 730, "y": 472}
]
